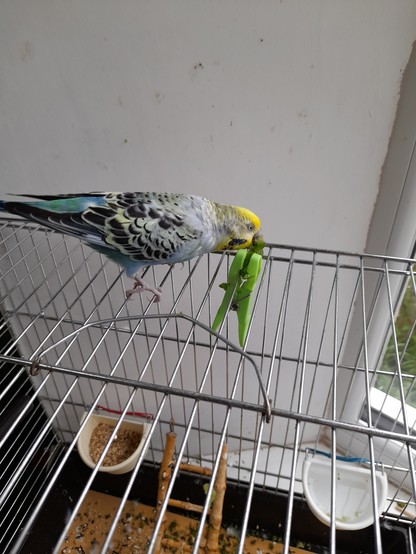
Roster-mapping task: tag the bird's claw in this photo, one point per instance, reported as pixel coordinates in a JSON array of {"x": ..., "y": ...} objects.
[{"x": 141, "y": 286}]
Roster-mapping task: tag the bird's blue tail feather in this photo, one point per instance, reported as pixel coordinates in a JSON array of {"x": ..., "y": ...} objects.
[{"x": 61, "y": 203}]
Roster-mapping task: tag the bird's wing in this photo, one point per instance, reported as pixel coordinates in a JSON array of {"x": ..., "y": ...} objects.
[{"x": 148, "y": 227}]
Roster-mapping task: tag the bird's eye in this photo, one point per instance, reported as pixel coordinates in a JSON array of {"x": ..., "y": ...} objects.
[{"x": 250, "y": 227}]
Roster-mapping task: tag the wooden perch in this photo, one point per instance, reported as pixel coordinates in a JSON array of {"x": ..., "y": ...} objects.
[
  {"x": 184, "y": 505},
  {"x": 215, "y": 512},
  {"x": 165, "y": 474},
  {"x": 196, "y": 469},
  {"x": 215, "y": 517}
]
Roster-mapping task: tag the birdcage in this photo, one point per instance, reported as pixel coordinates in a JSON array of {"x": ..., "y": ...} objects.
[{"x": 131, "y": 426}]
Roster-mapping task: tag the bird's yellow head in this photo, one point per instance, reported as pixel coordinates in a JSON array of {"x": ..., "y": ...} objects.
[{"x": 242, "y": 229}]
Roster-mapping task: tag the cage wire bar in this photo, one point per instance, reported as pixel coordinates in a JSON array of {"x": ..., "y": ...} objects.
[{"x": 73, "y": 346}]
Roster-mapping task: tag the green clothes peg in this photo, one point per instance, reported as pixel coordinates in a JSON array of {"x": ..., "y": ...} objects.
[{"x": 241, "y": 280}]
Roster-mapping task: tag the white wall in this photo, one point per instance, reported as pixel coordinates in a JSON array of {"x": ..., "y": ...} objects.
[{"x": 285, "y": 107}]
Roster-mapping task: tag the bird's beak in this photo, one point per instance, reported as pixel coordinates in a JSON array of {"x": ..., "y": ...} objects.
[
  {"x": 258, "y": 238},
  {"x": 257, "y": 243}
]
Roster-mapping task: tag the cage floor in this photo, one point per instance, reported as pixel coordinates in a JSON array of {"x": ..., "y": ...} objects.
[
  {"x": 135, "y": 528},
  {"x": 267, "y": 519}
]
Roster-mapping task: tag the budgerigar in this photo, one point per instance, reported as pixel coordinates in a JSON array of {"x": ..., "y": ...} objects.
[{"x": 138, "y": 229}]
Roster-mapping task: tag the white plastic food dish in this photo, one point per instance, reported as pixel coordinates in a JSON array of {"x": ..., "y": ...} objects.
[
  {"x": 83, "y": 443},
  {"x": 353, "y": 504}
]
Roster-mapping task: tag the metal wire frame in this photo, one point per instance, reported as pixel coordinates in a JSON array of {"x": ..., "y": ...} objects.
[{"x": 77, "y": 300}]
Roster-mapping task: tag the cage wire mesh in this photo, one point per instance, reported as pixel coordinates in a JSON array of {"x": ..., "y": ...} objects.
[{"x": 71, "y": 343}]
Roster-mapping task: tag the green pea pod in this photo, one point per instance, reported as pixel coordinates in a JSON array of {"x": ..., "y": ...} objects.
[{"x": 234, "y": 278}]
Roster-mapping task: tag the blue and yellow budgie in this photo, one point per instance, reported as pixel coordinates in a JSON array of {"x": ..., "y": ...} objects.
[{"x": 139, "y": 229}]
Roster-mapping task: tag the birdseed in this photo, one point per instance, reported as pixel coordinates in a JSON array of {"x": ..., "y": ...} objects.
[{"x": 123, "y": 445}]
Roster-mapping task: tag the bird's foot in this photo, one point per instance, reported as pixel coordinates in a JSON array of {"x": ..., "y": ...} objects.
[{"x": 141, "y": 286}]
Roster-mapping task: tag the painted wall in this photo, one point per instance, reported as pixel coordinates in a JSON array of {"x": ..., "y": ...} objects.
[{"x": 285, "y": 107}]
